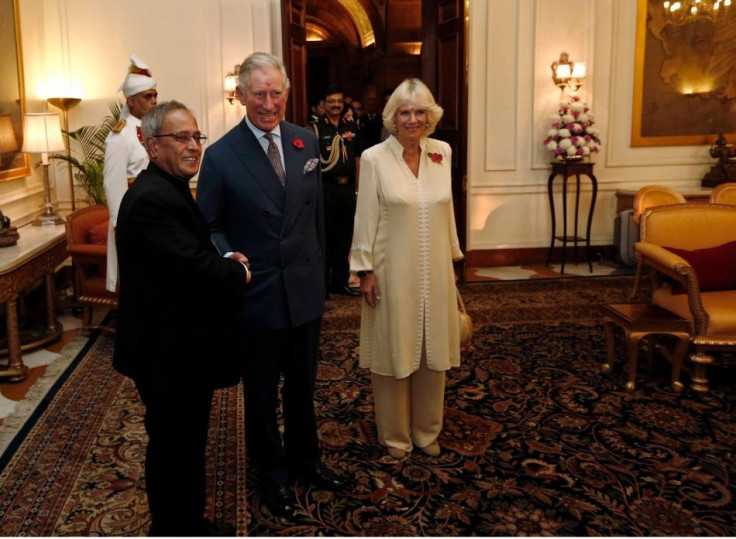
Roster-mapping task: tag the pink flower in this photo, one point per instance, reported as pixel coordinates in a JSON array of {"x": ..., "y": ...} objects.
[{"x": 298, "y": 143}]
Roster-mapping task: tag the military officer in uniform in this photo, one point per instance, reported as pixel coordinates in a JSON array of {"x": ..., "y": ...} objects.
[
  {"x": 340, "y": 149},
  {"x": 125, "y": 155}
]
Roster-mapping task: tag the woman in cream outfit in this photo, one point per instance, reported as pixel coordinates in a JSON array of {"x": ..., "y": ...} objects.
[{"x": 404, "y": 244}]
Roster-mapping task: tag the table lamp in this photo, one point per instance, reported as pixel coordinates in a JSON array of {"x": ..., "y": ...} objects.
[
  {"x": 66, "y": 103},
  {"x": 42, "y": 134}
]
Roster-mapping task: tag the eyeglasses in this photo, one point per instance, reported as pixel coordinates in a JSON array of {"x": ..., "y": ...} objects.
[{"x": 183, "y": 137}]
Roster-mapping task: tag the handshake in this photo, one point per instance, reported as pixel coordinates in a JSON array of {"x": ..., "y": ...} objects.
[{"x": 240, "y": 257}]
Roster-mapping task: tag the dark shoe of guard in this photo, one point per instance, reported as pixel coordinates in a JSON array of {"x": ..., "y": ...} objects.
[{"x": 345, "y": 291}]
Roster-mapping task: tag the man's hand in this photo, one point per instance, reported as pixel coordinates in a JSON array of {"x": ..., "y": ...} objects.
[{"x": 240, "y": 257}]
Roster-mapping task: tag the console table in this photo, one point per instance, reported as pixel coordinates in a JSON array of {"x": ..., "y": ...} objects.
[
  {"x": 34, "y": 259},
  {"x": 564, "y": 170}
]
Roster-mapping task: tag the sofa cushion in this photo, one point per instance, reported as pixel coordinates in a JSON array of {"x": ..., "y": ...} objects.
[
  {"x": 97, "y": 234},
  {"x": 715, "y": 267}
]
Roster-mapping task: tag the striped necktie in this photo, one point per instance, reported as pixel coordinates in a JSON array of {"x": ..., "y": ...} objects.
[{"x": 275, "y": 157}]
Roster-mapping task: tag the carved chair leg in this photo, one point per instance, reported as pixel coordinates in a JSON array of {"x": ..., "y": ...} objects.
[
  {"x": 637, "y": 278},
  {"x": 700, "y": 361}
]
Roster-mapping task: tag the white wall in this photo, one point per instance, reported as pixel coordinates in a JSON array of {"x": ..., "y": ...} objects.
[
  {"x": 512, "y": 96},
  {"x": 191, "y": 44},
  {"x": 81, "y": 48}
]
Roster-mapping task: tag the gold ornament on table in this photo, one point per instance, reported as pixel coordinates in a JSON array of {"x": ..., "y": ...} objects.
[{"x": 725, "y": 170}]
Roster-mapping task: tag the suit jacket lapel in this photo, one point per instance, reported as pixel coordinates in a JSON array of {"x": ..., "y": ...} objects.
[
  {"x": 294, "y": 159},
  {"x": 255, "y": 160}
]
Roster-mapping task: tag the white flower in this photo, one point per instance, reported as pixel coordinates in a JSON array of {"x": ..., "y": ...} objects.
[{"x": 572, "y": 131}]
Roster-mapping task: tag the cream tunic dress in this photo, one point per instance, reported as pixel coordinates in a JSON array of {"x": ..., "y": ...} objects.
[{"x": 405, "y": 232}]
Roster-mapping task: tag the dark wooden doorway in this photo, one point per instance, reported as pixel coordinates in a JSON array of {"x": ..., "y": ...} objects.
[{"x": 442, "y": 66}]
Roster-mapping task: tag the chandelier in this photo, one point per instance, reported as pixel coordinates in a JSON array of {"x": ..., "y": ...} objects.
[{"x": 685, "y": 11}]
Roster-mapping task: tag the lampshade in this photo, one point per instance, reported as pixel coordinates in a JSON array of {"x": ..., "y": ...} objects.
[
  {"x": 8, "y": 143},
  {"x": 42, "y": 133},
  {"x": 578, "y": 70},
  {"x": 563, "y": 71}
]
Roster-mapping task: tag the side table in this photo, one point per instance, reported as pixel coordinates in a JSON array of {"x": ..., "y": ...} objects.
[
  {"x": 639, "y": 320},
  {"x": 565, "y": 169},
  {"x": 33, "y": 260}
]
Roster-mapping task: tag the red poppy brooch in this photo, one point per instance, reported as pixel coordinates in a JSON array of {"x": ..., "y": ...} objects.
[
  {"x": 435, "y": 157},
  {"x": 348, "y": 135},
  {"x": 298, "y": 143}
]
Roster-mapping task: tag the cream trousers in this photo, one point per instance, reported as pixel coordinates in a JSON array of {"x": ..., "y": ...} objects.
[{"x": 409, "y": 411}]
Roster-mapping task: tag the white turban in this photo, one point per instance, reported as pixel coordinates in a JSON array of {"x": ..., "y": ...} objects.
[{"x": 138, "y": 79}]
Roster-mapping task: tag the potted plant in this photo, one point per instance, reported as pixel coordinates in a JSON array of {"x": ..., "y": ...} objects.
[{"x": 87, "y": 156}]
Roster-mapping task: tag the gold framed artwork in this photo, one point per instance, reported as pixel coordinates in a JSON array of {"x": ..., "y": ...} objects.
[
  {"x": 684, "y": 78},
  {"x": 13, "y": 163}
]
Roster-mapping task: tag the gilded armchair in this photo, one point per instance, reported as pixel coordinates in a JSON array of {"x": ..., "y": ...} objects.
[{"x": 690, "y": 250}]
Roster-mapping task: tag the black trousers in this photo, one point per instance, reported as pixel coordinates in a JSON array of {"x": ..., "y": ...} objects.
[
  {"x": 290, "y": 353},
  {"x": 339, "y": 217},
  {"x": 177, "y": 425}
]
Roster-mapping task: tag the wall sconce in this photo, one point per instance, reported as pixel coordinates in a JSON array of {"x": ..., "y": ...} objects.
[
  {"x": 231, "y": 83},
  {"x": 567, "y": 74},
  {"x": 42, "y": 134}
]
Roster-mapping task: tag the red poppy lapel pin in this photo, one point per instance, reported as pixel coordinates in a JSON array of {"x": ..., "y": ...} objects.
[
  {"x": 298, "y": 143},
  {"x": 435, "y": 157}
]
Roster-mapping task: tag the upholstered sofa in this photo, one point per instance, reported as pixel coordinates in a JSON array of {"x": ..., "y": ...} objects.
[{"x": 690, "y": 250}]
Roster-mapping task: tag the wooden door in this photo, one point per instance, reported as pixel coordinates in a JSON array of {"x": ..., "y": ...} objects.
[
  {"x": 294, "y": 40},
  {"x": 444, "y": 70}
]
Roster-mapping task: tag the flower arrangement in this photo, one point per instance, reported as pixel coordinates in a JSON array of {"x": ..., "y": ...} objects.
[{"x": 572, "y": 133}]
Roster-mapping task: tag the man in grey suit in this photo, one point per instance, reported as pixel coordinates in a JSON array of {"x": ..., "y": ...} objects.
[{"x": 261, "y": 192}]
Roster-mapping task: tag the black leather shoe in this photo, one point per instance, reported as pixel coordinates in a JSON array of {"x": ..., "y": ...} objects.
[
  {"x": 323, "y": 478},
  {"x": 279, "y": 500},
  {"x": 345, "y": 291},
  {"x": 209, "y": 528}
]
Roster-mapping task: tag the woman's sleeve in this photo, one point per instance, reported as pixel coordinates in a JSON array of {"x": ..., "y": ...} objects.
[
  {"x": 366, "y": 215},
  {"x": 457, "y": 254}
]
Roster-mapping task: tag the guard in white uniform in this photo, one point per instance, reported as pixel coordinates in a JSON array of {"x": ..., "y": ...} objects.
[{"x": 125, "y": 155}]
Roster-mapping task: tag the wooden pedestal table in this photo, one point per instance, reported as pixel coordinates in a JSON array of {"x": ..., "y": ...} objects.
[
  {"x": 32, "y": 261},
  {"x": 641, "y": 320},
  {"x": 566, "y": 169}
]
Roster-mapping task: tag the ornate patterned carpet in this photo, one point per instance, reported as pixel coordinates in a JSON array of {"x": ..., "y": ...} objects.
[{"x": 537, "y": 441}]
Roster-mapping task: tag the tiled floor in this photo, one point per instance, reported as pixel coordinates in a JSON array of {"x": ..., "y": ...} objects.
[
  {"x": 37, "y": 361},
  {"x": 540, "y": 271}
]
